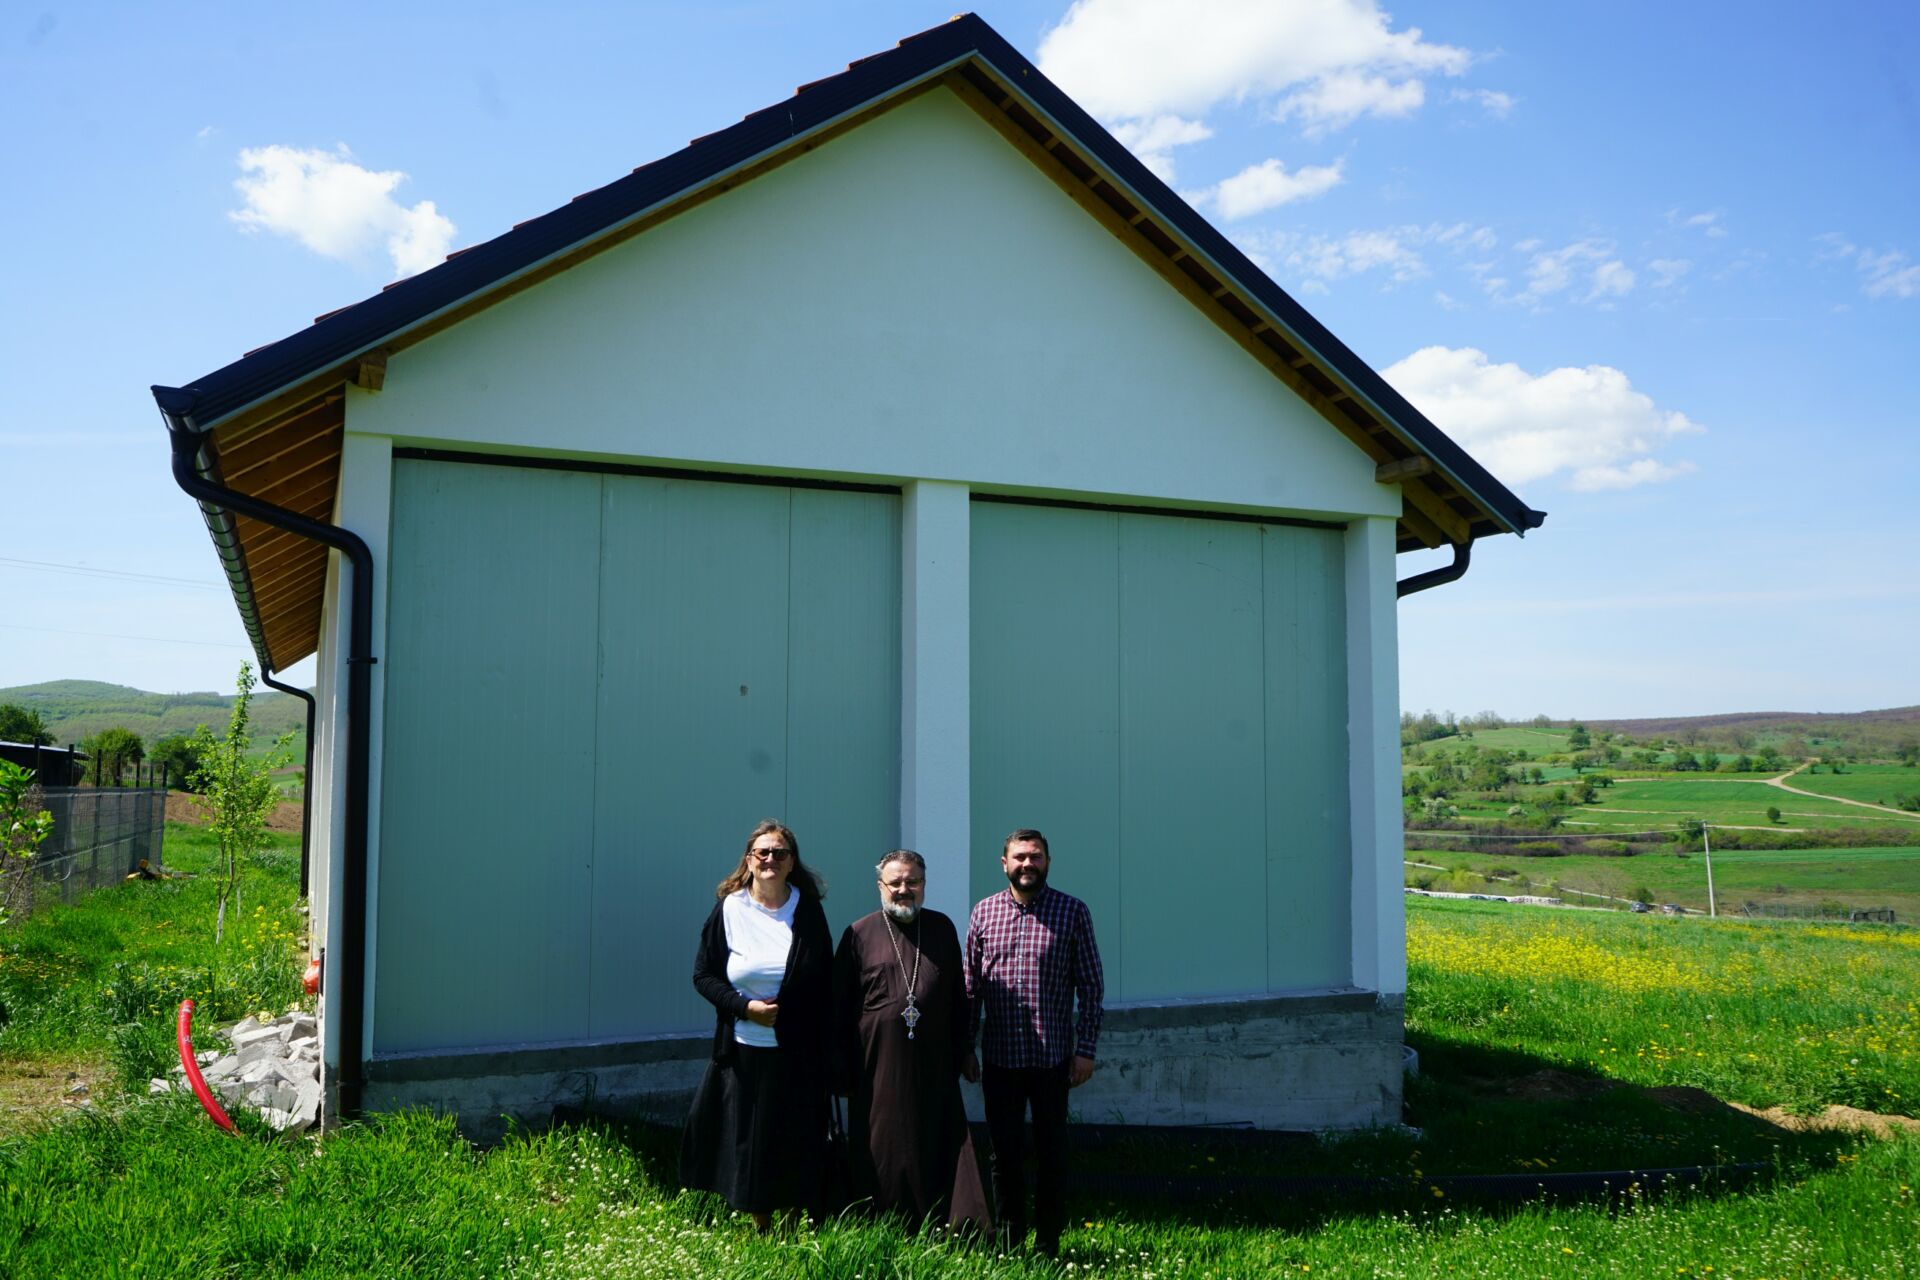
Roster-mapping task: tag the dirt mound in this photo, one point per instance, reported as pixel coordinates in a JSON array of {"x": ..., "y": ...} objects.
[
  {"x": 183, "y": 806},
  {"x": 1546, "y": 1085},
  {"x": 1851, "y": 1119}
]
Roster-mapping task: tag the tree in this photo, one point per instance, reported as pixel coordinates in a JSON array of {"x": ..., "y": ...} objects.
[
  {"x": 24, "y": 826},
  {"x": 240, "y": 793},
  {"x": 20, "y": 724},
  {"x": 112, "y": 750},
  {"x": 1773, "y": 813},
  {"x": 1578, "y": 738},
  {"x": 180, "y": 756}
]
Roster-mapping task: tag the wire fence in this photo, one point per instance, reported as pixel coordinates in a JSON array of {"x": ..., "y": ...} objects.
[{"x": 100, "y": 836}]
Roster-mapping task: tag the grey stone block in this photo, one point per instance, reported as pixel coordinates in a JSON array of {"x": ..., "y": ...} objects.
[{"x": 159, "y": 1085}]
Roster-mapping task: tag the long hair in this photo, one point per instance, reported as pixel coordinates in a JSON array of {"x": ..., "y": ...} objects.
[{"x": 800, "y": 878}]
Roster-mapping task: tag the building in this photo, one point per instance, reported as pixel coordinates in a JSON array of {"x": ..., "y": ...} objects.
[{"x": 904, "y": 461}]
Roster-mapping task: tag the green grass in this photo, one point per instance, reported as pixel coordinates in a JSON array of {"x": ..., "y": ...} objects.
[
  {"x": 1779, "y": 1014},
  {"x": 104, "y": 975},
  {"x": 1874, "y": 783},
  {"x": 1867, "y": 877},
  {"x": 1729, "y": 803},
  {"x": 1535, "y": 742}
]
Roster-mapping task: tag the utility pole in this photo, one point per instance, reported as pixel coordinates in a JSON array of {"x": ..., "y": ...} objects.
[{"x": 1706, "y": 847}]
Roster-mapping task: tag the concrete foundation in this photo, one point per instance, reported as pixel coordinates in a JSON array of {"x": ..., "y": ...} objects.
[{"x": 1309, "y": 1062}]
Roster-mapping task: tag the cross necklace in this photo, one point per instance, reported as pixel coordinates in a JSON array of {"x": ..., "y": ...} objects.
[{"x": 910, "y": 1015}]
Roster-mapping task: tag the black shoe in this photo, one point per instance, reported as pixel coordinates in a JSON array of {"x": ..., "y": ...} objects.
[{"x": 1047, "y": 1247}]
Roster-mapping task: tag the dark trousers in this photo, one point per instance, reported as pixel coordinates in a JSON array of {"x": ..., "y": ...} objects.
[{"x": 1009, "y": 1092}]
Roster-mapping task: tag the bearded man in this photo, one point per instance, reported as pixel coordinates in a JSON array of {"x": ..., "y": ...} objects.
[
  {"x": 1031, "y": 959},
  {"x": 901, "y": 1009}
]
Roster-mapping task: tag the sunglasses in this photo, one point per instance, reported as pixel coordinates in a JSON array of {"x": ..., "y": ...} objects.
[{"x": 771, "y": 855}]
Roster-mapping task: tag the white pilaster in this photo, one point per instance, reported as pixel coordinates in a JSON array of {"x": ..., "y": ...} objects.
[
  {"x": 365, "y": 507},
  {"x": 1373, "y": 745},
  {"x": 935, "y": 688}
]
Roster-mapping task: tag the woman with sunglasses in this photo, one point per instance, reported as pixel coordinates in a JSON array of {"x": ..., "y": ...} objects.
[{"x": 756, "y": 1134}]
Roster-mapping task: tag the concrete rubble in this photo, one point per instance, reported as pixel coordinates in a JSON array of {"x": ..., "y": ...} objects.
[{"x": 272, "y": 1067}]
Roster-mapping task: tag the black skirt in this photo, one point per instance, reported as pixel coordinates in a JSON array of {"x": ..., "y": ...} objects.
[{"x": 756, "y": 1134}]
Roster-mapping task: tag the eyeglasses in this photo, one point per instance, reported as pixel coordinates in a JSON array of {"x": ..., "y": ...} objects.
[{"x": 771, "y": 855}]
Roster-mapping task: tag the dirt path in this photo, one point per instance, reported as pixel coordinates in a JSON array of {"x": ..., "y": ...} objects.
[{"x": 1781, "y": 782}]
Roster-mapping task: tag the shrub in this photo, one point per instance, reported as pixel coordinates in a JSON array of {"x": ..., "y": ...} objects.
[
  {"x": 1606, "y": 848},
  {"x": 1537, "y": 848}
]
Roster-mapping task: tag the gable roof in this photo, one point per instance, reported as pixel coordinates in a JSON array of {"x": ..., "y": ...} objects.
[{"x": 271, "y": 421}]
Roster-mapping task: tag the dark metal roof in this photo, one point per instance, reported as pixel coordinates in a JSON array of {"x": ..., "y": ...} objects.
[{"x": 352, "y": 331}]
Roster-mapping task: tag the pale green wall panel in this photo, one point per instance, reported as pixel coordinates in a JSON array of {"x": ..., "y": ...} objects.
[
  {"x": 843, "y": 690},
  {"x": 1046, "y": 731},
  {"x": 487, "y": 783},
  {"x": 1193, "y": 917},
  {"x": 693, "y": 728},
  {"x": 1309, "y": 846}
]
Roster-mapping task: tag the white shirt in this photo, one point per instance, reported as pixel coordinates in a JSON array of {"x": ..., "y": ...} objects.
[{"x": 758, "y": 940}]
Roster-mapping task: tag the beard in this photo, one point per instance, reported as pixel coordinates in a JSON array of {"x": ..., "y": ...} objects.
[
  {"x": 901, "y": 913},
  {"x": 1031, "y": 880}
]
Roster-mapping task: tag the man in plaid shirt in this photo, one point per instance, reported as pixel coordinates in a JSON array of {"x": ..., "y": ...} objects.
[{"x": 1030, "y": 955}]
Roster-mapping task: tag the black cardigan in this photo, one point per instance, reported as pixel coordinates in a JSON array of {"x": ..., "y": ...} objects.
[{"x": 805, "y": 996}]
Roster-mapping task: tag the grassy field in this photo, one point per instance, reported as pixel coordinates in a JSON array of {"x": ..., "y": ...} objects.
[
  {"x": 1874, "y": 783},
  {"x": 1876, "y": 877},
  {"x": 92, "y": 987},
  {"x": 1550, "y": 1041},
  {"x": 1535, "y": 742}
]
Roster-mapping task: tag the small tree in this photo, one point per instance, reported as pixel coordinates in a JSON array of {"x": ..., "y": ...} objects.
[
  {"x": 21, "y": 724},
  {"x": 239, "y": 792},
  {"x": 1773, "y": 813},
  {"x": 24, "y": 827},
  {"x": 111, "y": 750},
  {"x": 179, "y": 754}
]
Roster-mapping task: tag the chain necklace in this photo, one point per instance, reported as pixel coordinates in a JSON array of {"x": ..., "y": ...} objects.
[{"x": 910, "y": 1015}]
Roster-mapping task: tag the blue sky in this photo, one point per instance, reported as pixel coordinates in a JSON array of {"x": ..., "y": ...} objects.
[{"x": 1657, "y": 265}]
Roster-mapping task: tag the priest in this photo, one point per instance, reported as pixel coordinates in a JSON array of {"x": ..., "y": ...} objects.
[{"x": 901, "y": 1008}]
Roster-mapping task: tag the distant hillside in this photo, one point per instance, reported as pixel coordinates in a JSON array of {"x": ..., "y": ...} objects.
[
  {"x": 75, "y": 709},
  {"x": 1882, "y": 730}
]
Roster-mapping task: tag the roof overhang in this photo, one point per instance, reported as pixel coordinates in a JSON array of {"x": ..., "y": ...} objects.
[{"x": 272, "y": 422}]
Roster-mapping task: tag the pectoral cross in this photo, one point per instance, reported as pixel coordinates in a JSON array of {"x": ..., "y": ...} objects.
[{"x": 911, "y": 1016}]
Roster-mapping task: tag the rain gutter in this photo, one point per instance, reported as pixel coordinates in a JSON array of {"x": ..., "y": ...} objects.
[
  {"x": 1462, "y": 553},
  {"x": 193, "y": 471},
  {"x": 306, "y": 780}
]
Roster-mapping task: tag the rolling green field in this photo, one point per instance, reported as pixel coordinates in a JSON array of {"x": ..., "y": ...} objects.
[
  {"x": 1647, "y": 804},
  {"x": 1874, "y": 783},
  {"x": 1535, "y": 742},
  {"x": 1869, "y": 877}
]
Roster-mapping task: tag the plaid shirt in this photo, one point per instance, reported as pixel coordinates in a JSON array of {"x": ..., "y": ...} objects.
[{"x": 1025, "y": 964}]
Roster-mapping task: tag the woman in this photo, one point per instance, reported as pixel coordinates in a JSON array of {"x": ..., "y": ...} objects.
[{"x": 757, "y": 1131}]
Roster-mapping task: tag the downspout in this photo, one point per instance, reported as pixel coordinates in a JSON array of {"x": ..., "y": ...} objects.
[
  {"x": 1462, "y": 552},
  {"x": 306, "y": 784},
  {"x": 190, "y": 468}
]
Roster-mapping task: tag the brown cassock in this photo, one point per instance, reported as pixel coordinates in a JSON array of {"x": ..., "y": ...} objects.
[{"x": 907, "y": 1134}]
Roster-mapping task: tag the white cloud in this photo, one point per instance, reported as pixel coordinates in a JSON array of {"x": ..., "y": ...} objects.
[
  {"x": 1587, "y": 422},
  {"x": 1554, "y": 271},
  {"x": 338, "y": 209},
  {"x": 1612, "y": 279},
  {"x": 1154, "y": 140},
  {"x": 1886, "y": 273},
  {"x": 1327, "y": 63},
  {"x": 1496, "y": 104},
  {"x": 1268, "y": 185},
  {"x": 1309, "y": 261},
  {"x": 1707, "y": 222},
  {"x": 1336, "y": 101},
  {"x": 1667, "y": 271}
]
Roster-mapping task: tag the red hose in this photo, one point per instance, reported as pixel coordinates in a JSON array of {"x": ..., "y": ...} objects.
[{"x": 191, "y": 1065}]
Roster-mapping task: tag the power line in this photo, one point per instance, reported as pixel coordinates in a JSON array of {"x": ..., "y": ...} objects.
[
  {"x": 110, "y": 635},
  {"x": 88, "y": 571}
]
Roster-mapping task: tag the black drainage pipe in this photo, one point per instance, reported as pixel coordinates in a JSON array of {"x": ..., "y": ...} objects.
[
  {"x": 306, "y": 782},
  {"x": 1462, "y": 553},
  {"x": 190, "y": 467}
]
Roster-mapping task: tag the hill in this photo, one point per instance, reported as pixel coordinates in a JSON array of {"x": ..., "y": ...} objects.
[
  {"x": 75, "y": 709},
  {"x": 1883, "y": 730}
]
